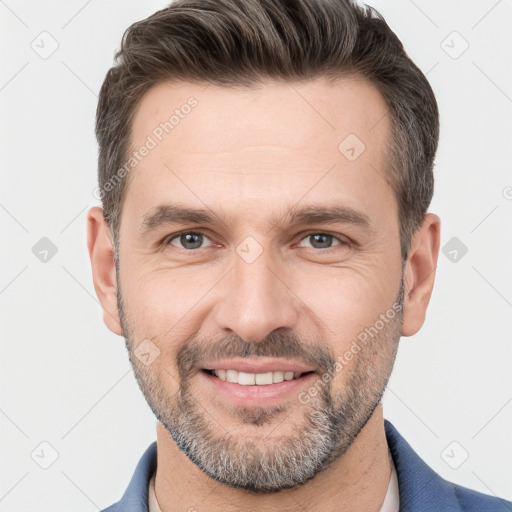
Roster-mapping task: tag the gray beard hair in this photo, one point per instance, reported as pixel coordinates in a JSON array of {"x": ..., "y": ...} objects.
[
  {"x": 328, "y": 432},
  {"x": 330, "y": 425}
]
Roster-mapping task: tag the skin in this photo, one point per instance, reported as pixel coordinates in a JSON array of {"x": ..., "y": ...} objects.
[{"x": 249, "y": 155}]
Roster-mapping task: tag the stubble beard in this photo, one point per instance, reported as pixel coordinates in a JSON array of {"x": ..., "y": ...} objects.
[{"x": 272, "y": 463}]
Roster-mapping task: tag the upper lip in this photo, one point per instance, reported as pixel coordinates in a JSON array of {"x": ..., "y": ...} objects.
[{"x": 257, "y": 365}]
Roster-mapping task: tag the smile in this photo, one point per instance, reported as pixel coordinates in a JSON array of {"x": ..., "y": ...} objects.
[{"x": 245, "y": 389}]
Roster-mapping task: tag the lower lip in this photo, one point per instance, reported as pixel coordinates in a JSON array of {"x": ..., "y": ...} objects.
[{"x": 263, "y": 395}]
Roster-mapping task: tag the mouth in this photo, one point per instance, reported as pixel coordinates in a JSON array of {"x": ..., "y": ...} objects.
[{"x": 255, "y": 389}]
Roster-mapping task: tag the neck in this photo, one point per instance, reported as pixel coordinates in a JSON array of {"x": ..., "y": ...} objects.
[{"x": 357, "y": 481}]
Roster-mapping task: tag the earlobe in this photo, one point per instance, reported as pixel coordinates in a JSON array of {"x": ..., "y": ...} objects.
[
  {"x": 419, "y": 273},
  {"x": 101, "y": 254}
]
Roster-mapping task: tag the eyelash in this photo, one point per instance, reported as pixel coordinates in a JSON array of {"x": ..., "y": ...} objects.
[{"x": 343, "y": 242}]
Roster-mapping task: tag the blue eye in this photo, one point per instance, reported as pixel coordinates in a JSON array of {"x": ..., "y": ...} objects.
[
  {"x": 193, "y": 240},
  {"x": 321, "y": 240},
  {"x": 189, "y": 240}
]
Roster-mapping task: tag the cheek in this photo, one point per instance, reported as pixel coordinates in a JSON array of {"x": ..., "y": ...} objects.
[
  {"x": 164, "y": 303},
  {"x": 345, "y": 301}
]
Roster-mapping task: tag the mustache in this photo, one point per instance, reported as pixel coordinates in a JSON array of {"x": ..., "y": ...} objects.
[{"x": 281, "y": 343}]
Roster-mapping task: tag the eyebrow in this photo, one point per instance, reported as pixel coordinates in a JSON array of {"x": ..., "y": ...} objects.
[{"x": 170, "y": 214}]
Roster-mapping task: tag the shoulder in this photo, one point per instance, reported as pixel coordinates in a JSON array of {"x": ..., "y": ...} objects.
[
  {"x": 423, "y": 489},
  {"x": 473, "y": 501},
  {"x": 135, "y": 498}
]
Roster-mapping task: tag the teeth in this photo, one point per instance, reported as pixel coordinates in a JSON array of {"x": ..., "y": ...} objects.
[
  {"x": 263, "y": 378},
  {"x": 251, "y": 379},
  {"x": 231, "y": 375},
  {"x": 246, "y": 379},
  {"x": 277, "y": 377}
]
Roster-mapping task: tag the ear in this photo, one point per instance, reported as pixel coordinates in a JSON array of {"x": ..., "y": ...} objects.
[
  {"x": 101, "y": 253},
  {"x": 420, "y": 273}
]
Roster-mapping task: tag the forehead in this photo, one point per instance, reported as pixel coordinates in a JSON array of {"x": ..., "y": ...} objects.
[
  {"x": 294, "y": 112},
  {"x": 268, "y": 143}
]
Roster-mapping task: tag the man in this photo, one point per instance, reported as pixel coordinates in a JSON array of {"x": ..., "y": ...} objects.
[{"x": 265, "y": 171}]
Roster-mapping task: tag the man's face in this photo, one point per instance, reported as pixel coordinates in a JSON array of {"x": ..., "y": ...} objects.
[{"x": 257, "y": 284}]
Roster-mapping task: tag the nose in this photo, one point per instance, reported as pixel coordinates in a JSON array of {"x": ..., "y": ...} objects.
[{"x": 255, "y": 299}]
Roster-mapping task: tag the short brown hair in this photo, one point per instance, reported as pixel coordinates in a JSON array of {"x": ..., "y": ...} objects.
[{"x": 242, "y": 42}]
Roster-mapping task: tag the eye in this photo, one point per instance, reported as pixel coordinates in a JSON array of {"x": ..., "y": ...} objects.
[
  {"x": 193, "y": 240},
  {"x": 324, "y": 241},
  {"x": 189, "y": 240}
]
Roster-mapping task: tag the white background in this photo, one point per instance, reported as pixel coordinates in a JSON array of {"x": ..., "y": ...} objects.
[{"x": 66, "y": 380}]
